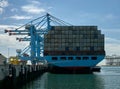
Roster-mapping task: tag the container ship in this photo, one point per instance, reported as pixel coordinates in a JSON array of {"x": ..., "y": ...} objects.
[{"x": 73, "y": 49}]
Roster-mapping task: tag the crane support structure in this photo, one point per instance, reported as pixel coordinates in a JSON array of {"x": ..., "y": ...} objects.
[{"x": 34, "y": 32}]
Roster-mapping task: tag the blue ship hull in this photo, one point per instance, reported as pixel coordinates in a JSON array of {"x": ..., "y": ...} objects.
[
  {"x": 83, "y": 65},
  {"x": 75, "y": 63}
]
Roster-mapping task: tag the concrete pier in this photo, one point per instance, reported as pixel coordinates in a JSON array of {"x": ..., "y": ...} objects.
[{"x": 18, "y": 75}]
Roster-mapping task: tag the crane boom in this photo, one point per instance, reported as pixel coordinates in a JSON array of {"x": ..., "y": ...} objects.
[{"x": 35, "y": 31}]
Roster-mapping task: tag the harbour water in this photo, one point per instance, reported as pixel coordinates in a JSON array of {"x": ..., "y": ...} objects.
[{"x": 108, "y": 78}]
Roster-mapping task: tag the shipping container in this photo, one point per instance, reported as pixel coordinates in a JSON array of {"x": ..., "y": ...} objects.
[{"x": 69, "y": 39}]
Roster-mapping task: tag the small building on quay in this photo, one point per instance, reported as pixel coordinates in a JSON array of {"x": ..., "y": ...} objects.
[{"x": 2, "y": 59}]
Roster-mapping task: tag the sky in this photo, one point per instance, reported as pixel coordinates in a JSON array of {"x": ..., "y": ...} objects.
[{"x": 103, "y": 13}]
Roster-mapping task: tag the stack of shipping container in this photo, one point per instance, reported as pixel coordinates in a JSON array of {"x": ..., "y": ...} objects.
[{"x": 74, "y": 40}]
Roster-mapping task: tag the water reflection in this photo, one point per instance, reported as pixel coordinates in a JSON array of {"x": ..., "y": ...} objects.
[
  {"x": 58, "y": 81},
  {"x": 74, "y": 82}
]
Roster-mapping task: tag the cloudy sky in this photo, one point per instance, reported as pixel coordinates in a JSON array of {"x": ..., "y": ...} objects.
[{"x": 103, "y": 13}]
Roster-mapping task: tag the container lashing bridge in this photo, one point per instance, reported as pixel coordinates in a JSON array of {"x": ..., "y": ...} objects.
[{"x": 34, "y": 32}]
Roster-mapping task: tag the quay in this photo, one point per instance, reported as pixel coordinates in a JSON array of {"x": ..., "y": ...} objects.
[{"x": 14, "y": 76}]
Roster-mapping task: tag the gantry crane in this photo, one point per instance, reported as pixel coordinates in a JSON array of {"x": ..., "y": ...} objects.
[{"x": 35, "y": 30}]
